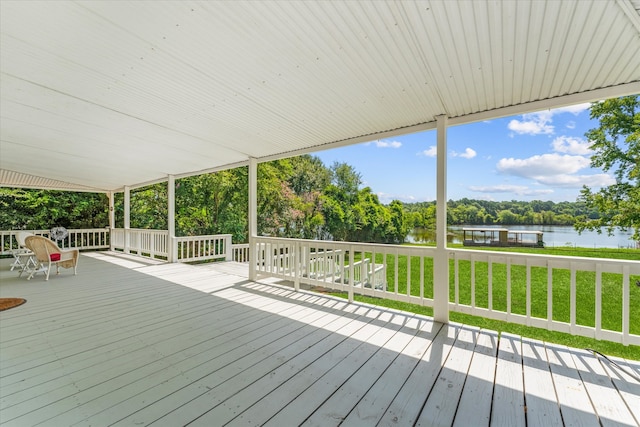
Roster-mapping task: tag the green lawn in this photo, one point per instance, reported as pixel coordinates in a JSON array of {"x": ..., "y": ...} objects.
[{"x": 585, "y": 295}]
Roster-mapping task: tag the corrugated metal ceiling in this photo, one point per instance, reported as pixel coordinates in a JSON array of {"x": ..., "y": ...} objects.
[{"x": 108, "y": 94}]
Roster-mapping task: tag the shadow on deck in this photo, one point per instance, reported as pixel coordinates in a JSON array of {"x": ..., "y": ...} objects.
[{"x": 133, "y": 342}]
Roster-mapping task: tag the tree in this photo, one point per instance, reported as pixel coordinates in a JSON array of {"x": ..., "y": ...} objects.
[{"x": 616, "y": 146}]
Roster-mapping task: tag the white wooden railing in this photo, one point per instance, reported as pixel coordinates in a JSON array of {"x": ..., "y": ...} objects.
[
  {"x": 529, "y": 289},
  {"x": 142, "y": 242},
  {"x": 520, "y": 288},
  {"x": 148, "y": 243},
  {"x": 240, "y": 252},
  {"x": 204, "y": 248},
  {"x": 84, "y": 239},
  {"x": 156, "y": 243}
]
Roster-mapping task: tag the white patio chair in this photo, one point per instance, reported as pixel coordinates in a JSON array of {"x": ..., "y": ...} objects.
[
  {"x": 22, "y": 255},
  {"x": 47, "y": 253}
]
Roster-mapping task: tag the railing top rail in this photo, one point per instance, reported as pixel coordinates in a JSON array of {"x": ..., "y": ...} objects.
[
  {"x": 207, "y": 236},
  {"x": 341, "y": 244},
  {"x": 523, "y": 255}
]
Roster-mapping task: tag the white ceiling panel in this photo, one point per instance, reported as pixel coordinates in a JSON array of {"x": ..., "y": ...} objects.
[{"x": 112, "y": 94}]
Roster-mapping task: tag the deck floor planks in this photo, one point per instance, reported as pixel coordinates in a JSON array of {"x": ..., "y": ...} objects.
[
  {"x": 332, "y": 347},
  {"x": 573, "y": 399},
  {"x": 382, "y": 349},
  {"x": 122, "y": 367},
  {"x": 255, "y": 358},
  {"x": 190, "y": 372},
  {"x": 508, "y": 394},
  {"x": 301, "y": 356},
  {"x": 298, "y": 409},
  {"x": 129, "y": 385},
  {"x": 442, "y": 403},
  {"x": 605, "y": 397},
  {"x": 540, "y": 393},
  {"x": 477, "y": 394},
  {"x": 129, "y": 341},
  {"x": 377, "y": 399},
  {"x": 147, "y": 329},
  {"x": 103, "y": 325},
  {"x": 162, "y": 342},
  {"x": 411, "y": 397},
  {"x": 623, "y": 379}
]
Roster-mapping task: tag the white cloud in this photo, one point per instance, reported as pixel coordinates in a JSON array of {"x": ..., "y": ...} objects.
[
  {"x": 387, "y": 198},
  {"x": 577, "y": 181},
  {"x": 539, "y": 123},
  {"x": 554, "y": 170},
  {"x": 432, "y": 151},
  {"x": 520, "y": 190},
  {"x": 543, "y": 165},
  {"x": 571, "y": 125},
  {"x": 571, "y": 145},
  {"x": 469, "y": 153},
  {"x": 388, "y": 144},
  {"x": 531, "y": 125}
]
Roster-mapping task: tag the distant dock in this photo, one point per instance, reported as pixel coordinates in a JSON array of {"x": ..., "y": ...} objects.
[{"x": 501, "y": 237}]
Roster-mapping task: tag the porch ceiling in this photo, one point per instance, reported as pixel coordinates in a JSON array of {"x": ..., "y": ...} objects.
[{"x": 99, "y": 95}]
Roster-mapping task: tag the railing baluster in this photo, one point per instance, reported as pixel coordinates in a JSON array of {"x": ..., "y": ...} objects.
[
  {"x": 572, "y": 298},
  {"x": 528, "y": 294},
  {"x": 473, "y": 282},
  {"x": 598, "y": 324},
  {"x": 549, "y": 295},
  {"x": 490, "y": 285},
  {"x": 625, "y": 305},
  {"x": 508, "y": 289}
]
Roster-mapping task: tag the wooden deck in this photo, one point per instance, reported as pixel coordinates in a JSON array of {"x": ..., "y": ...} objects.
[{"x": 131, "y": 342}]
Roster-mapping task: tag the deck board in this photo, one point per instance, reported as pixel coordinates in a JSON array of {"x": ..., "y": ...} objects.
[{"x": 133, "y": 342}]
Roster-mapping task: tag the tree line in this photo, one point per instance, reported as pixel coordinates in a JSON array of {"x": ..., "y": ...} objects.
[{"x": 484, "y": 212}]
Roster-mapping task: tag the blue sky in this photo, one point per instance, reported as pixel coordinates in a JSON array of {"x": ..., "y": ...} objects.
[{"x": 542, "y": 156}]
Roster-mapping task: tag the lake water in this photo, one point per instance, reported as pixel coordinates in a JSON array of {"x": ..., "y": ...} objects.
[{"x": 554, "y": 236}]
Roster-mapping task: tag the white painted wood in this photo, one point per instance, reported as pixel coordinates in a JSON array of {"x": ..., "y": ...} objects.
[
  {"x": 626, "y": 300},
  {"x": 508, "y": 396},
  {"x": 477, "y": 394},
  {"x": 575, "y": 405},
  {"x": 540, "y": 396},
  {"x": 382, "y": 348},
  {"x": 598, "y": 296},
  {"x": 605, "y": 397},
  {"x": 134, "y": 340},
  {"x": 624, "y": 374},
  {"x": 440, "y": 408},
  {"x": 299, "y": 409},
  {"x": 127, "y": 218},
  {"x": 376, "y": 400},
  {"x": 253, "y": 215},
  {"x": 441, "y": 258},
  {"x": 405, "y": 407}
]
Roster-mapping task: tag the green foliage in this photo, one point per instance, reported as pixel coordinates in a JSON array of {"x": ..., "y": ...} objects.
[
  {"x": 25, "y": 209},
  {"x": 616, "y": 145},
  {"x": 483, "y": 212}
]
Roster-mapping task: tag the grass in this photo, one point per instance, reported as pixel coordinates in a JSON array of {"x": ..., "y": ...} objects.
[{"x": 561, "y": 291}]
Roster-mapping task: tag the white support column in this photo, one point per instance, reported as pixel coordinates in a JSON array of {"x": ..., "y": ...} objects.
[
  {"x": 171, "y": 219},
  {"x": 127, "y": 217},
  {"x": 112, "y": 218},
  {"x": 253, "y": 216},
  {"x": 441, "y": 259}
]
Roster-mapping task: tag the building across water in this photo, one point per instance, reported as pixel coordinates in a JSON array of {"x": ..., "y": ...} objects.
[{"x": 501, "y": 237}]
